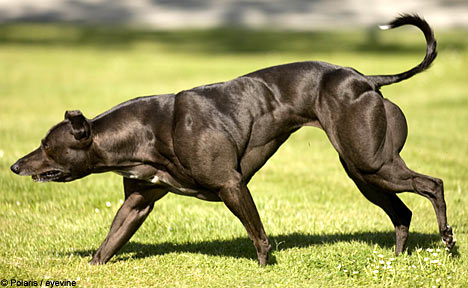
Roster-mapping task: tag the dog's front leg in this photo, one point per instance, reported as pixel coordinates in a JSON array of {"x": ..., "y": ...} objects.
[
  {"x": 128, "y": 219},
  {"x": 237, "y": 198}
]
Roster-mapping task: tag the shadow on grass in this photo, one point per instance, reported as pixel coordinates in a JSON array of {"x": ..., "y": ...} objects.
[{"x": 243, "y": 247}]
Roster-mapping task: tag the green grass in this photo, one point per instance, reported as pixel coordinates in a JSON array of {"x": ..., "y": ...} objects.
[{"x": 323, "y": 232}]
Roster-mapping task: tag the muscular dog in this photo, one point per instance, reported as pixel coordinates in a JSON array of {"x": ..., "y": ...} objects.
[{"x": 209, "y": 141}]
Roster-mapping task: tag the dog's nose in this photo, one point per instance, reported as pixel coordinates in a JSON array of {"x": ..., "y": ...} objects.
[{"x": 15, "y": 168}]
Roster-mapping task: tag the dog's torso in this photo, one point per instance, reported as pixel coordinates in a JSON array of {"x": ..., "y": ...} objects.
[{"x": 172, "y": 139}]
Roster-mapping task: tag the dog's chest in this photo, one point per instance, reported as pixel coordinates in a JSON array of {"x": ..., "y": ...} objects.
[{"x": 159, "y": 179}]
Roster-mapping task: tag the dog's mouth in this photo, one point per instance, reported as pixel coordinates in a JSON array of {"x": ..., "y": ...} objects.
[{"x": 52, "y": 175}]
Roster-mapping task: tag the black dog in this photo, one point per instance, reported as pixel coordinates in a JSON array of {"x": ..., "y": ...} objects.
[{"x": 209, "y": 141}]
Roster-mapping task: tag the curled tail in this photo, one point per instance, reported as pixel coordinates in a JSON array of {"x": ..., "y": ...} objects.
[{"x": 431, "y": 52}]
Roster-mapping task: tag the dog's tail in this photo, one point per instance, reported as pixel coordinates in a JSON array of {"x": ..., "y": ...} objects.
[{"x": 431, "y": 52}]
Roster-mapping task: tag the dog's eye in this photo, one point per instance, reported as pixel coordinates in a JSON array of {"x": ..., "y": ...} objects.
[{"x": 45, "y": 145}]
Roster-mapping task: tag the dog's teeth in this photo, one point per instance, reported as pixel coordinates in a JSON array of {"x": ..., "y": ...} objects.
[
  {"x": 155, "y": 179},
  {"x": 385, "y": 27}
]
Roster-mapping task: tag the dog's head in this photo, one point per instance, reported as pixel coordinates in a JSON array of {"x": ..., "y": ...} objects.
[{"x": 64, "y": 154}]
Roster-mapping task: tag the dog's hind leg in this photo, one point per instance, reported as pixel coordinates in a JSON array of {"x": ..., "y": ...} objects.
[
  {"x": 139, "y": 201},
  {"x": 430, "y": 187},
  {"x": 397, "y": 177},
  {"x": 399, "y": 214},
  {"x": 376, "y": 161},
  {"x": 433, "y": 189}
]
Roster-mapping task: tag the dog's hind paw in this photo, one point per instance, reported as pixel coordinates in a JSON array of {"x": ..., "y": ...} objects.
[{"x": 447, "y": 238}]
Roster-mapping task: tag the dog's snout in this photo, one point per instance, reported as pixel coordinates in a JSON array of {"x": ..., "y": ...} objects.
[{"x": 15, "y": 168}]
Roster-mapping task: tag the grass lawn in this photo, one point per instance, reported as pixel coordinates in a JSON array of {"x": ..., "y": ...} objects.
[{"x": 323, "y": 232}]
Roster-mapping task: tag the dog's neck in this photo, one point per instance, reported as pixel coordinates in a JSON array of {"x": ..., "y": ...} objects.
[
  {"x": 113, "y": 155},
  {"x": 116, "y": 148}
]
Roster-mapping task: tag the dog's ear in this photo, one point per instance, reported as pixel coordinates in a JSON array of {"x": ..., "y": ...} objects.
[{"x": 81, "y": 129}]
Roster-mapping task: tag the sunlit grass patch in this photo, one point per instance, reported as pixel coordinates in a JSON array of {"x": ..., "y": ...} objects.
[{"x": 324, "y": 233}]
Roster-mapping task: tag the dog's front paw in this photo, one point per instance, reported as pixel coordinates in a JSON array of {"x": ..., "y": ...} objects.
[{"x": 96, "y": 261}]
